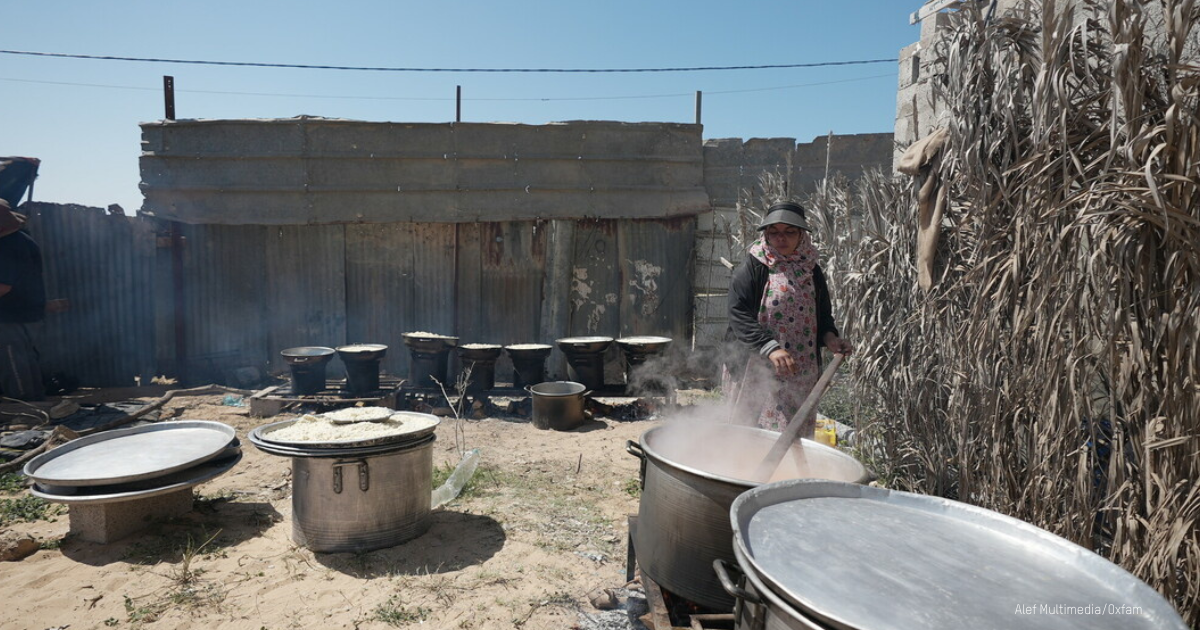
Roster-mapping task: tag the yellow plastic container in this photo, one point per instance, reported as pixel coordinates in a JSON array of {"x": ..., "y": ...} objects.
[{"x": 826, "y": 432}]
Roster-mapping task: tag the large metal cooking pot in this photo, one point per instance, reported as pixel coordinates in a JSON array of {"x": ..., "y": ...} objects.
[
  {"x": 822, "y": 552},
  {"x": 558, "y": 405},
  {"x": 362, "y": 502},
  {"x": 691, "y": 473},
  {"x": 757, "y": 607}
]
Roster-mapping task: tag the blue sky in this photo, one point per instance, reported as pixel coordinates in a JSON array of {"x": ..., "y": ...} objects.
[{"x": 81, "y": 116}]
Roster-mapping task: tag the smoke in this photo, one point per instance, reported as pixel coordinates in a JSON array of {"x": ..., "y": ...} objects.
[{"x": 741, "y": 378}]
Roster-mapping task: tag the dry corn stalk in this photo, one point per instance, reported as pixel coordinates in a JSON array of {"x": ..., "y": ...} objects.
[{"x": 1053, "y": 372}]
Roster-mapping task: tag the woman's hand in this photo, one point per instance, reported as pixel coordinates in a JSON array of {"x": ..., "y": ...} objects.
[
  {"x": 783, "y": 362},
  {"x": 837, "y": 345}
]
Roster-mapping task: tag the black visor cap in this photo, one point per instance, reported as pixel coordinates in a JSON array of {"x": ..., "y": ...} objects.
[{"x": 787, "y": 213}]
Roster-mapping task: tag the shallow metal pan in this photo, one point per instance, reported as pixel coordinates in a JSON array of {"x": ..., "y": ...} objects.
[
  {"x": 141, "y": 489},
  {"x": 857, "y": 557},
  {"x": 131, "y": 454}
]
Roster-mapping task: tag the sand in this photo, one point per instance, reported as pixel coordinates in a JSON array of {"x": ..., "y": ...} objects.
[{"x": 546, "y": 528}]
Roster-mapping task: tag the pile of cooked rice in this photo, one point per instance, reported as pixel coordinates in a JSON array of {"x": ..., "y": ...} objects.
[{"x": 310, "y": 428}]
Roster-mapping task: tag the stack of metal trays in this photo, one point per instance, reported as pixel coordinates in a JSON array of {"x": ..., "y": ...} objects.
[
  {"x": 829, "y": 554},
  {"x": 136, "y": 462},
  {"x": 261, "y": 438}
]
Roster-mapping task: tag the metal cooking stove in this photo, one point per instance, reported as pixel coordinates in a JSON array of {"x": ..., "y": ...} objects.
[
  {"x": 669, "y": 611},
  {"x": 274, "y": 400}
]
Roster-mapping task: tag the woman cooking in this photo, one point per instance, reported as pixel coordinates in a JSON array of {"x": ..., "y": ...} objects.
[{"x": 779, "y": 308}]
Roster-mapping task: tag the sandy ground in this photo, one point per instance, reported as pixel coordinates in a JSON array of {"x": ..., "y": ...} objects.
[{"x": 544, "y": 527}]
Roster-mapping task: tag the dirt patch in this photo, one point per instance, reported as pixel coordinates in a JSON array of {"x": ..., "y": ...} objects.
[{"x": 541, "y": 528}]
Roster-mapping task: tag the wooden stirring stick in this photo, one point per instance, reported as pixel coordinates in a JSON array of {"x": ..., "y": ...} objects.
[{"x": 781, "y": 446}]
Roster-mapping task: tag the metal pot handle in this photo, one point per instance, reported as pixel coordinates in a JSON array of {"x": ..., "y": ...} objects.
[
  {"x": 730, "y": 587},
  {"x": 635, "y": 449}
]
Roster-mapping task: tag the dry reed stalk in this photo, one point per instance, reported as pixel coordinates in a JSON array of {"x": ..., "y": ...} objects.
[{"x": 1053, "y": 371}]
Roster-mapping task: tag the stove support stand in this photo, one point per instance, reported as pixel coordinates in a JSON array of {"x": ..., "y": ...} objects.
[{"x": 660, "y": 618}]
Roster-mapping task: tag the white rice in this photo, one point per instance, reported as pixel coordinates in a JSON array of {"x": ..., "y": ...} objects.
[
  {"x": 428, "y": 335},
  {"x": 643, "y": 340},
  {"x": 359, "y": 414},
  {"x": 528, "y": 346},
  {"x": 309, "y": 428},
  {"x": 479, "y": 346},
  {"x": 363, "y": 347}
]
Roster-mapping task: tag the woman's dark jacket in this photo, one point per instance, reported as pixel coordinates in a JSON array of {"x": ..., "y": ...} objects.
[{"x": 745, "y": 297}]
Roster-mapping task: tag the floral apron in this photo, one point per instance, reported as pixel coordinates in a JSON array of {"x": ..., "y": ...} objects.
[{"x": 789, "y": 311}]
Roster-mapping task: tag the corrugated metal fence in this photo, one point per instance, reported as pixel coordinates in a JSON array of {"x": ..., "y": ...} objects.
[{"x": 245, "y": 292}]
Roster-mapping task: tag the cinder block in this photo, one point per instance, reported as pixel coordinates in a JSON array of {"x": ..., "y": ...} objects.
[
  {"x": 718, "y": 220},
  {"x": 712, "y": 277},
  {"x": 107, "y": 522},
  {"x": 712, "y": 307},
  {"x": 710, "y": 334}
]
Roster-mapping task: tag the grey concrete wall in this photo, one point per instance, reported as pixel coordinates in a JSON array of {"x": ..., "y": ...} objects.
[
  {"x": 311, "y": 172},
  {"x": 320, "y": 171}
]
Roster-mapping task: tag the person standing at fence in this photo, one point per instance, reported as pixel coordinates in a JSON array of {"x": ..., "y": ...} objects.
[
  {"x": 780, "y": 310},
  {"x": 22, "y": 302}
]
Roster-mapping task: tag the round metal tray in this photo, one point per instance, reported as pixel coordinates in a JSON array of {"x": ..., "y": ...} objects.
[
  {"x": 830, "y": 549},
  {"x": 143, "y": 489},
  {"x": 131, "y": 454},
  {"x": 263, "y": 434},
  {"x": 363, "y": 451}
]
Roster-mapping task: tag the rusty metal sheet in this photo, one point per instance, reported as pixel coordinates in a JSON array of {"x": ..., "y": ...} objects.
[
  {"x": 656, "y": 268},
  {"x": 306, "y": 289},
  {"x": 379, "y": 283},
  {"x": 432, "y": 306},
  {"x": 224, "y": 281},
  {"x": 595, "y": 280},
  {"x": 474, "y": 318},
  {"x": 513, "y": 267},
  {"x": 102, "y": 264}
]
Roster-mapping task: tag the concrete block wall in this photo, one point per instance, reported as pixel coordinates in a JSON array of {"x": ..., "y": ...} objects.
[
  {"x": 917, "y": 110},
  {"x": 309, "y": 171}
]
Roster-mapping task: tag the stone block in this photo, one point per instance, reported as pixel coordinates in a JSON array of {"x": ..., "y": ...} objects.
[
  {"x": 712, "y": 277},
  {"x": 712, "y": 307},
  {"x": 108, "y": 522}
]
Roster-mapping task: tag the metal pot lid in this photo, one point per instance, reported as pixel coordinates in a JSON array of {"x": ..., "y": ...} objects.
[
  {"x": 166, "y": 484},
  {"x": 858, "y": 557},
  {"x": 423, "y": 424},
  {"x": 449, "y": 340},
  {"x": 131, "y": 454}
]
